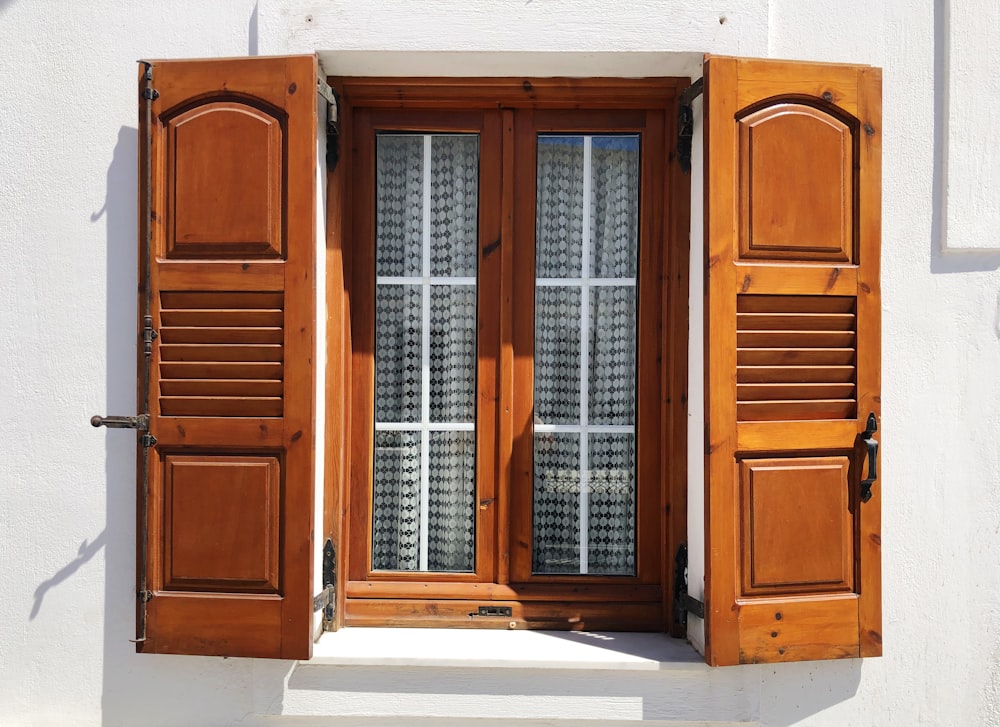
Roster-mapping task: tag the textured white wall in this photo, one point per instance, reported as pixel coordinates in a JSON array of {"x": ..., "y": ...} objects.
[{"x": 67, "y": 311}]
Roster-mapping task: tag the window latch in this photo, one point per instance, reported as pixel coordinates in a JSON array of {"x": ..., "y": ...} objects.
[{"x": 140, "y": 423}]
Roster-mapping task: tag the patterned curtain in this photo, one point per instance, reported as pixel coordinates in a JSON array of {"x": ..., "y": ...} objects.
[
  {"x": 586, "y": 234},
  {"x": 425, "y": 353},
  {"x": 584, "y": 501}
]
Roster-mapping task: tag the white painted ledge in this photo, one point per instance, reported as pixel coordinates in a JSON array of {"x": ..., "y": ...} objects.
[
  {"x": 492, "y": 649},
  {"x": 384, "y": 676}
]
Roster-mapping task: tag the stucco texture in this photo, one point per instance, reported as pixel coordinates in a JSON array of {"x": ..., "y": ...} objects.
[{"x": 68, "y": 186}]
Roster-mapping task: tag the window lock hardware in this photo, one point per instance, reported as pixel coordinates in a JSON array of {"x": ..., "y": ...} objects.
[
  {"x": 502, "y": 611},
  {"x": 871, "y": 445}
]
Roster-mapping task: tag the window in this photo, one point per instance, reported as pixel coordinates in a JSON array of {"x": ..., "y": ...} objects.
[
  {"x": 502, "y": 475},
  {"x": 506, "y": 437}
]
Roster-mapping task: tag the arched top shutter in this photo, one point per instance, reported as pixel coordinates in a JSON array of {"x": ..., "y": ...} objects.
[
  {"x": 792, "y": 197},
  {"x": 228, "y": 166}
]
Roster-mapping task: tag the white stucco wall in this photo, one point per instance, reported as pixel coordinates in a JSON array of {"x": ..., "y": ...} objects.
[{"x": 67, "y": 309}]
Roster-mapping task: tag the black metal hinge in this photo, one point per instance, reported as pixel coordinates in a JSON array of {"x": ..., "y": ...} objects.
[
  {"x": 685, "y": 123},
  {"x": 326, "y": 600},
  {"x": 332, "y": 123},
  {"x": 684, "y": 603}
]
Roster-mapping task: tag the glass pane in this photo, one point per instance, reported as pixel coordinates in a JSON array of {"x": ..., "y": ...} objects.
[
  {"x": 557, "y": 355},
  {"x": 451, "y": 517},
  {"x": 454, "y": 205},
  {"x": 585, "y": 315},
  {"x": 559, "y": 207},
  {"x": 453, "y": 353},
  {"x": 556, "y": 512},
  {"x": 423, "y": 510},
  {"x": 399, "y": 206},
  {"x": 396, "y": 501},
  {"x": 614, "y": 206},
  {"x": 611, "y": 370},
  {"x": 611, "y": 521},
  {"x": 398, "y": 330}
]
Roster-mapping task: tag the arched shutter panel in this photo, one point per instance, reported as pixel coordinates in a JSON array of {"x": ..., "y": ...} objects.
[
  {"x": 792, "y": 355},
  {"x": 232, "y": 190}
]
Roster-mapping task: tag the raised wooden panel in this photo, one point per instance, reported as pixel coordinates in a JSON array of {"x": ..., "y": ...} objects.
[
  {"x": 221, "y": 523},
  {"x": 225, "y": 158},
  {"x": 797, "y": 531},
  {"x": 796, "y": 185}
]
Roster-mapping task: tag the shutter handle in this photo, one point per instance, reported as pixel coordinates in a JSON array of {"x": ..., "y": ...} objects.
[{"x": 871, "y": 426}]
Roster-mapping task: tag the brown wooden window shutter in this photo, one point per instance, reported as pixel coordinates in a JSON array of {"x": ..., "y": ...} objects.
[
  {"x": 231, "y": 218},
  {"x": 792, "y": 159}
]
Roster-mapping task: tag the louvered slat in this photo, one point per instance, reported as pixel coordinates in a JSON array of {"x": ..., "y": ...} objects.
[
  {"x": 796, "y": 358},
  {"x": 221, "y": 354}
]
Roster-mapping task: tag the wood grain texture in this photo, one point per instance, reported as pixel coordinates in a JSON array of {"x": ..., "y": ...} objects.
[
  {"x": 235, "y": 211},
  {"x": 798, "y": 629},
  {"x": 220, "y": 523},
  {"x": 674, "y": 371},
  {"x": 795, "y": 157},
  {"x": 792, "y": 359},
  {"x": 233, "y": 215},
  {"x": 796, "y": 532}
]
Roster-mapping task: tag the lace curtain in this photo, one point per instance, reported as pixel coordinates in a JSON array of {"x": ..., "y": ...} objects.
[
  {"x": 586, "y": 240},
  {"x": 585, "y": 353},
  {"x": 425, "y": 352}
]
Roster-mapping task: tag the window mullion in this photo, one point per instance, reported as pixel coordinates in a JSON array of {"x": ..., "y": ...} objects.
[
  {"x": 584, "y": 358},
  {"x": 425, "y": 352}
]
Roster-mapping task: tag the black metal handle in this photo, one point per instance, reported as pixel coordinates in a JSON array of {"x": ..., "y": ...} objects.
[{"x": 871, "y": 426}]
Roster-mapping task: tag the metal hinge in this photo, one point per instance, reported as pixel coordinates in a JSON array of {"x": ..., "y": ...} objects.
[
  {"x": 326, "y": 600},
  {"x": 685, "y": 123},
  {"x": 149, "y": 93},
  {"x": 684, "y": 603},
  {"x": 332, "y": 123},
  {"x": 149, "y": 335}
]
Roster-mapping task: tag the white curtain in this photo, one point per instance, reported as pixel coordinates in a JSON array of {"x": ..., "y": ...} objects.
[
  {"x": 586, "y": 238},
  {"x": 584, "y": 500},
  {"x": 425, "y": 353}
]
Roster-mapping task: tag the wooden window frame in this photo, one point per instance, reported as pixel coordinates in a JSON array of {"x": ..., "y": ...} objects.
[{"x": 508, "y": 112}]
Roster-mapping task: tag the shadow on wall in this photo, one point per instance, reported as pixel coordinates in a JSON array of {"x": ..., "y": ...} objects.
[
  {"x": 185, "y": 690},
  {"x": 790, "y": 693},
  {"x": 87, "y": 551}
]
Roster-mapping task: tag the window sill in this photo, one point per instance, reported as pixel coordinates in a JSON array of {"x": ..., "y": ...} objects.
[{"x": 498, "y": 649}]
